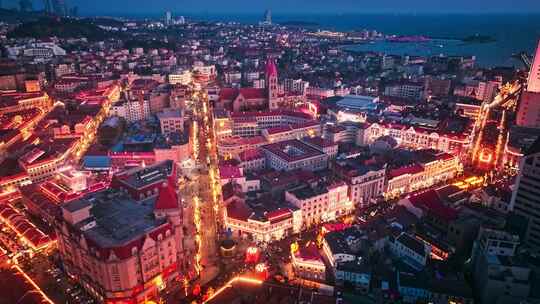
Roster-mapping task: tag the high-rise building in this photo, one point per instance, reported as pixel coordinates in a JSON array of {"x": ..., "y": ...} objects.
[
  {"x": 533, "y": 84},
  {"x": 181, "y": 20},
  {"x": 500, "y": 274},
  {"x": 529, "y": 105},
  {"x": 526, "y": 196},
  {"x": 47, "y": 6},
  {"x": 59, "y": 7},
  {"x": 168, "y": 18},
  {"x": 268, "y": 17}
]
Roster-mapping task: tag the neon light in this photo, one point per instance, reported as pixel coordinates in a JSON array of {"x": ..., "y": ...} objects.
[
  {"x": 229, "y": 284},
  {"x": 36, "y": 287}
]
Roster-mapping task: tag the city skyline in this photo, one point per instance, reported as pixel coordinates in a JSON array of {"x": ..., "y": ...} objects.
[{"x": 124, "y": 7}]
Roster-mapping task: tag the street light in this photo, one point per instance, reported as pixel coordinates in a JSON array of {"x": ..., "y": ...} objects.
[{"x": 25, "y": 294}]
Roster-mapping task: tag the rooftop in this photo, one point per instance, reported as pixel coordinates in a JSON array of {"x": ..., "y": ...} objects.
[
  {"x": 292, "y": 150},
  {"x": 412, "y": 243},
  {"x": 118, "y": 218},
  {"x": 352, "y": 241},
  {"x": 143, "y": 176}
]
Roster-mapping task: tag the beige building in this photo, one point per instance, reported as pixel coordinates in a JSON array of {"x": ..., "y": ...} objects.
[
  {"x": 171, "y": 121},
  {"x": 120, "y": 250}
]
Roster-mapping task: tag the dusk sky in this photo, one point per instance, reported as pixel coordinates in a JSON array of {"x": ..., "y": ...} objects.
[{"x": 300, "y": 6}]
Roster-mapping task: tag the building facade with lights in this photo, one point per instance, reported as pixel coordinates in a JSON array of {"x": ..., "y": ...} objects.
[
  {"x": 418, "y": 138},
  {"x": 248, "y": 124},
  {"x": 365, "y": 180},
  {"x": 15, "y": 102},
  {"x": 233, "y": 146},
  {"x": 431, "y": 168},
  {"x": 246, "y": 222},
  {"x": 321, "y": 203},
  {"x": 121, "y": 250},
  {"x": 288, "y": 132},
  {"x": 171, "y": 121},
  {"x": 307, "y": 262}
]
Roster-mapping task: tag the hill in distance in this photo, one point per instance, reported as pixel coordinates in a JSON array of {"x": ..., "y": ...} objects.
[{"x": 59, "y": 27}]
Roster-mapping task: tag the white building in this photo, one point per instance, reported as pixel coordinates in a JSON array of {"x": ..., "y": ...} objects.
[
  {"x": 307, "y": 262},
  {"x": 204, "y": 70},
  {"x": 321, "y": 203},
  {"x": 533, "y": 84},
  {"x": 171, "y": 121},
  {"x": 434, "y": 168},
  {"x": 182, "y": 77},
  {"x": 418, "y": 138},
  {"x": 131, "y": 110},
  {"x": 287, "y": 132},
  {"x": 365, "y": 181},
  {"x": 526, "y": 195},
  {"x": 405, "y": 90},
  {"x": 262, "y": 224},
  {"x": 410, "y": 250},
  {"x": 296, "y": 86}
]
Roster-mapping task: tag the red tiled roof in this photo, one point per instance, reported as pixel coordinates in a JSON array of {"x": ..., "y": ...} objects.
[
  {"x": 239, "y": 211},
  {"x": 253, "y": 93},
  {"x": 278, "y": 215},
  {"x": 250, "y": 154},
  {"x": 432, "y": 203},
  {"x": 309, "y": 252},
  {"x": 329, "y": 227},
  {"x": 410, "y": 169},
  {"x": 319, "y": 142},
  {"x": 228, "y": 171},
  {"x": 228, "y": 94},
  {"x": 279, "y": 129},
  {"x": 248, "y": 93},
  {"x": 23, "y": 227},
  {"x": 167, "y": 198},
  {"x": 271, "y": 113}
]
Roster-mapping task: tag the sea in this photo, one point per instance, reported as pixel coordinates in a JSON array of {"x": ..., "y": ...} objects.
[{"x": 511, "y": 33}]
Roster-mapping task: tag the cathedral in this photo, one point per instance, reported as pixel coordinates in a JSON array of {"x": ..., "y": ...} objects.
[{"x": 252, "y": 99}]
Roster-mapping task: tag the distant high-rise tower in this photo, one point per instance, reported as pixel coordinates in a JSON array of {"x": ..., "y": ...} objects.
[
  {"x": 168, "y": 18},
  {"x": 47, "y": 6},
  {"x": 268, "y": 17},
  {"x": 181, "y": 20},
  {"x": 533, "y": 85},
  {"x": 526, "y": 196},
  {"x": 59, "y": 7},
  {"x": 529, "y": 105}
]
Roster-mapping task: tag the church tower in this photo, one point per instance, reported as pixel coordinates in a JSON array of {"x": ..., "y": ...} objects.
[{"x": 272, "y": 83}]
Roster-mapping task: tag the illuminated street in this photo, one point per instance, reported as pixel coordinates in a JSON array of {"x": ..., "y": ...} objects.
[{"x": 203, "y": 194}]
